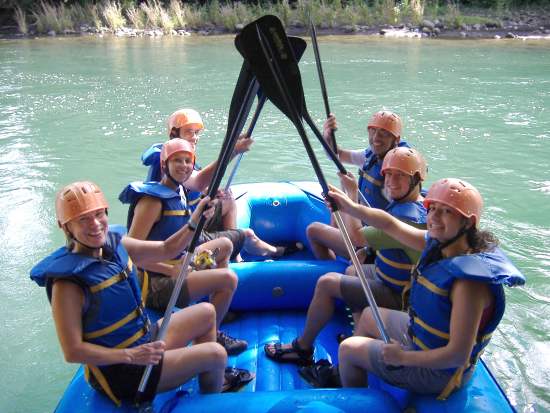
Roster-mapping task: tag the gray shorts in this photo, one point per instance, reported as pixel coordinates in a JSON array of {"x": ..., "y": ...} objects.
[
  {"x": 354, "y": 296},
  {"x": 160, "y": 291},
  {"x": 417, "y": 379},
  {"x": 236, "y": 236}
]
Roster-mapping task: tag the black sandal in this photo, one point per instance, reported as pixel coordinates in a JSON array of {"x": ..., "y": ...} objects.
[
  {"x": 322, "y": 374},
  {"x": 285, "y": 250},
  {"x": 235, "y": 379},
  {"x": 304, "y": 357}
]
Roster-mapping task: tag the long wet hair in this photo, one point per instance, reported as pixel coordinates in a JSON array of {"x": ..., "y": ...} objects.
[{"x": 481, "y": 240}]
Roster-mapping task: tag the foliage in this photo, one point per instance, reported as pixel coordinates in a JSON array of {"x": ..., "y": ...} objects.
[{"x": 168, "y": 15}]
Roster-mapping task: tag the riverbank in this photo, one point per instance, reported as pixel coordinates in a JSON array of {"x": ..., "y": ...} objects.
[{"x": 445, "y": 23}]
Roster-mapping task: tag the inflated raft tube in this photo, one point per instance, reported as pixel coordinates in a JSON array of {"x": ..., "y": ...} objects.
[{"x": 279, "y": 285}]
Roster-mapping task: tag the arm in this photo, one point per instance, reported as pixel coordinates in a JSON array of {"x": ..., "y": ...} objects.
[
  {"x": 406, "y": 234},
  {"x": 148, "y": 211},
  {"x": 67, "y": 303},
  {"x": 379, "y": 240},
  {"x": 144, "y": 252},
  {"x": 353, "y": 225},
  {"x": 469, "y": 298},
  {"x": 200, "y": 180},
  {"x": 345, "y": 155}
]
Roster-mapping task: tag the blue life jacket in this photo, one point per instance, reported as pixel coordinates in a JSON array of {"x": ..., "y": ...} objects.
[
  {"x": 430, "y": 305},
  {"x": 175, "y": 212},
  {"x": 371, "y": 180},
  {"x": 393, "y": 266},
  {"x": 151, "y": 158},
  {"x": 112, "y": 315}
]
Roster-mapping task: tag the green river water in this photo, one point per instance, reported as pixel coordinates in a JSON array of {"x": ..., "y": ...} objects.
[{"x": 86, "y": 108}]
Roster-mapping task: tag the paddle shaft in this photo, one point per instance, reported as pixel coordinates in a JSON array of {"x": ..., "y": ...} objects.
[
  {"x": 322, "y": 80},
  {"x": 223, "y": 159},
  {"x": 259, "y": 107},
  {"x": 273, "y": 65}
]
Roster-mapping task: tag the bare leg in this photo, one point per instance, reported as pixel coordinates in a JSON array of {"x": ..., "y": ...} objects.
[
  {"x": 255, "y": 246},
  {"x": 319, "y": 313},
  {"x": 229, "y": 213},
  {"x": 207, "y": 358},
  {"x": 220, "y": 284},
  {"x": 354, "y": 361},
  {"x": 321, "y": 308},
  {"x": 326, "y": 241},
  {"x": 224, "y": 247}
]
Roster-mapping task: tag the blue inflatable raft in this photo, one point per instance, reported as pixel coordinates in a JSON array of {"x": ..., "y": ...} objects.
[{"x": 271, "y": 302}]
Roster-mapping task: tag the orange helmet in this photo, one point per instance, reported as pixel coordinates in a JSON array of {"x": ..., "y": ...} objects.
[
  {"x": 184, "y": 117},
  {"x": 406, "y": 160},
  {"x": 77, "y": 199},
  {"x": 174, "y": 146},
  {"x": 459, "y": 195},
  {"x": 388, "y": 121}
]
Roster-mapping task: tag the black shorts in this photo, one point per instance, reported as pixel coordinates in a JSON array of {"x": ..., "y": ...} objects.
[{"x": 124, "y": 380}]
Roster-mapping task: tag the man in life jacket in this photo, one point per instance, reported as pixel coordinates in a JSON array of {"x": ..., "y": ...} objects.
[
  {"x": 456, "y": 298},
  {"x": 97, "y": 305},
  {"x": 404, "y": 170},
  {"x": 384, "y": 134}
]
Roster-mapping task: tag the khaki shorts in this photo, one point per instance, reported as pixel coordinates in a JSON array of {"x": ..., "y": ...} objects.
[
  {"x": 418, "y": 379},
  {"x": 354, "y": 296},
  {"x": 160, "y": 291}
]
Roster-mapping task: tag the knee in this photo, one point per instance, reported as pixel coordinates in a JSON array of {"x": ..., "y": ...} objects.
[
  {"x": 230, "y": 279},
  {"x": 328, "y": 285},
  {"x": 226, "y": 246},
  {"x": 348, "y": 348},
  {"x": 215, "y": 354},
  {"x": 249, "y": 233},
  {"x": 350, "y": 270},
  {"x": 207, "y": 312},
  {"x": 314, "y": 229}
]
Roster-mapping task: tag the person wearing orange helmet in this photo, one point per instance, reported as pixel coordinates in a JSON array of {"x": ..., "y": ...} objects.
[
  {"x": 158, "y": 210},
  {"x": 187, "y": 124},
  {"x": 404, "y": 170},
  {"x": 92, "y": 285},
  {"x": 456, "y": 298},
  {"x": 384, "y": 134}
]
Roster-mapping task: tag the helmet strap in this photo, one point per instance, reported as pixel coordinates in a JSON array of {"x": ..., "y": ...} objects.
[
  {"x": 170, "y": 177},
  {"x": 413, "y": 182}
]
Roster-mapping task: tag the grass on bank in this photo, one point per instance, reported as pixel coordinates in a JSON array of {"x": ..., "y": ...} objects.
[{"x": 111, "y": 15}]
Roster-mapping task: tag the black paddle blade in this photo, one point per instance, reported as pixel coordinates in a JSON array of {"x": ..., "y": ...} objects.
[
  {"x": 283, "y": 52},
  {"x": 245, "y": 78}
]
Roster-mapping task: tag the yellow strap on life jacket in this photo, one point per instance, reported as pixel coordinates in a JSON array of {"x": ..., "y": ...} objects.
[
  {"x": 431, "y": 286},
  {"x": 173, "y": 262},
  {"x": 176, "y": 213},
  {"x": 102, "y": 382},
  {"x": 108, "y": 282},
  {"x": 144, "y": 288},
  {"x": 194, "y": 201},
  {"x": 370, "y": 178},
  {"x": 454, "y": 383},
  {"x": 126, "y": 343},
  {"x": 392, "y": 280},
  {"x": 394, "y": 264},
  {"x": 109, "y": 329},
  {"x": 432, "y": 330}
]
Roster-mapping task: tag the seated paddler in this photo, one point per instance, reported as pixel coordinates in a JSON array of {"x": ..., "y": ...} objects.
[
  {"x": 160, "y": 209},
  {"x": 384, "y": 131},
  {"x": 97, "y": 305},
  {"x": 404, "y": 170},
  {"x": 456, "y": 299}
]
